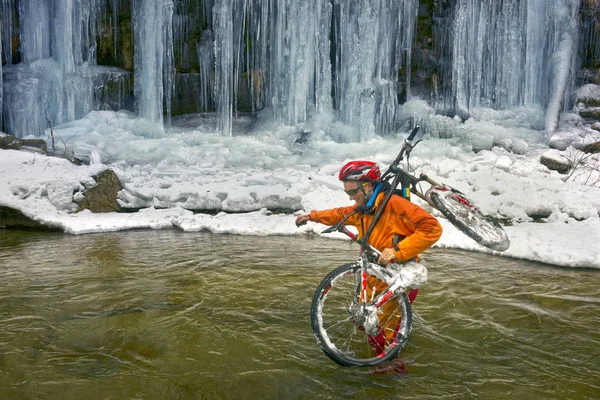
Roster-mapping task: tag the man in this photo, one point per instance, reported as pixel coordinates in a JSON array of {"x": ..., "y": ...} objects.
[{"x": 403, "y": 231}]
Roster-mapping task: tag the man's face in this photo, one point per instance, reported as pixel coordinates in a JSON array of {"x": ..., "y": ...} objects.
[{"x": 356, "y": 191}]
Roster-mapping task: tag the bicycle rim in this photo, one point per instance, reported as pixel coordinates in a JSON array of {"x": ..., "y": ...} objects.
[
  {"x": 336, "y": 331},
  {"x": 462, "y": 214}
]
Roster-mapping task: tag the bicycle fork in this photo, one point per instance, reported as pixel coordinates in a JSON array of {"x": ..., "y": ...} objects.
[{"x": 366, "y": 311}]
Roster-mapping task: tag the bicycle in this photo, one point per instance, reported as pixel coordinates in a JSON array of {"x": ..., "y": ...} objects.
[{"x": 345, "y": 311}]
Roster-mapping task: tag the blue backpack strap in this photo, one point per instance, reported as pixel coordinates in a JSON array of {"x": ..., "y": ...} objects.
[{"x": 371, "y": 202}]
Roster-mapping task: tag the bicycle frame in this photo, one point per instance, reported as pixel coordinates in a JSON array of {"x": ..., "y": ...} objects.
[
  {"x": 381, "y": 291},
  {"x": 368, "y": 254}
]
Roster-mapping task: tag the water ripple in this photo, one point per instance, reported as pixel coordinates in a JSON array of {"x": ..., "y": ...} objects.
[{"x": 147, "y": 314}]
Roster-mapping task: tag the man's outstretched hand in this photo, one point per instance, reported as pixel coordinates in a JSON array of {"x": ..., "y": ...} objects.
[{"x": 302, "y": 219}]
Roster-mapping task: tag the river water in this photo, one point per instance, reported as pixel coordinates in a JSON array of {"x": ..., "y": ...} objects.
[{"x": 174, "y": 315}]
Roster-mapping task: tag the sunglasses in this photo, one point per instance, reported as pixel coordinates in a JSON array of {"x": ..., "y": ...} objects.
[{"x": 352, "y": 192}]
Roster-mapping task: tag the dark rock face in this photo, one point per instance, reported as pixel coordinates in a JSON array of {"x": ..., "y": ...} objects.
[
  {"x": 187, "y": 98},
  {"x": 102, "y": 197},
  {"x": 8, "y": 142},
  {"x": 11, "y": 218},
  {"x": 590, "y": 113},
  {"x": 34, "y": 144}
]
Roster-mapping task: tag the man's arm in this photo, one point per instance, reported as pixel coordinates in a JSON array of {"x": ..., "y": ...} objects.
[
  {"x": 327, "y": 217},
  {"x": 426, "y": 230}
]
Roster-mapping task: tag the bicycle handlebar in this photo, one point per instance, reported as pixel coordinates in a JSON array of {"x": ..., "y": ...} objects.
[{"x": 341, "y": 227}]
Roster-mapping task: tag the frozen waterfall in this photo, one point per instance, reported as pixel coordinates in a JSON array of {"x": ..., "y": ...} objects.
[
  {"x": 349, "y": 61},
  {"x": 56, "y": 81},
  {"x": 512, "y": 53},
  {"x": 154, "y": 70}
]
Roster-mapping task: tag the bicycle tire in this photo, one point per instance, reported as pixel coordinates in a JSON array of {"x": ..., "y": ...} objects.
[
  {"x": 338, "y": 335},
  {"x": 468, "y": 219}
]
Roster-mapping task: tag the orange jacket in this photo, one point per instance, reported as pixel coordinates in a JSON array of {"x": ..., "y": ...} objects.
[{"x": 417, "y": 228}]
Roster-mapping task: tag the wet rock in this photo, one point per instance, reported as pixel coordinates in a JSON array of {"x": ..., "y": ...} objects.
[
  {"x": 589, "y": 95},
  {"x": 38, "y": 145},
  {"x": 590, "y": 113},
  {"x": 303, "y": 137},
  {"x": 102, "y": 197},
  {"x": 555, "y": 162},
  {"x": 8, "y": 142},
  {"x": 591, "y": 148},
  {"x": 587, "y": 100}
]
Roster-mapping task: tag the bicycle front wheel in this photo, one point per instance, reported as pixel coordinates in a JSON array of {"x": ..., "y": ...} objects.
[
  {"x": 335, "y": 318},
  {"x": 466, "y": 217}
]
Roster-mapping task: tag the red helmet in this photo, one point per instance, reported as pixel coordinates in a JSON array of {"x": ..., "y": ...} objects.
[{"x": 360, "y": 171}]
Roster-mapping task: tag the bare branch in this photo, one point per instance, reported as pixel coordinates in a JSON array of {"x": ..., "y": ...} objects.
[{"x": 585, "y": 167}]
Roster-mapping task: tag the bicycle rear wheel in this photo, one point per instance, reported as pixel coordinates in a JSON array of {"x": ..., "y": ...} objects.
[
  {"x": 333, "y": 317},
  {"x": 466, "y": 217}
]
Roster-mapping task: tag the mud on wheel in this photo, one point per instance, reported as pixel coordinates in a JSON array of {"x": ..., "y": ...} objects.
[
  {"x": 339, "y": 325},
  {"x": 466, "y": 217}
]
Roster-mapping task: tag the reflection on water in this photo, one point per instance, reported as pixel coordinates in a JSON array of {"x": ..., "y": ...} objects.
[{"x": 171, "y": 315}]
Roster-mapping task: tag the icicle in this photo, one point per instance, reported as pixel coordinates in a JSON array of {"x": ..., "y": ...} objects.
[
  {"x": 372, "y": 39},
  {"x": 223, "y": 22},
  {"x": 323, "y": 83},
  {"x": 501, "y": 51},
  {"x": 168, "y": 59},
  {"x": 407, "y": 13},
  {"x": 256, "y": 61},
  {"x": 63, "y": 32},
  {"x": 182, "y": 20},
  {"x": 206, "y": 61},
  {"x": 563, "y": 62},
  {"x": 293, "y": 62},
  {"x": 1, "y": 85},
  {"x": 35, "y": 30},
  {"x": 8, "y": 7},
  {"x": 115, "y": 24},
  {"x": 153, "y": 57}
]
